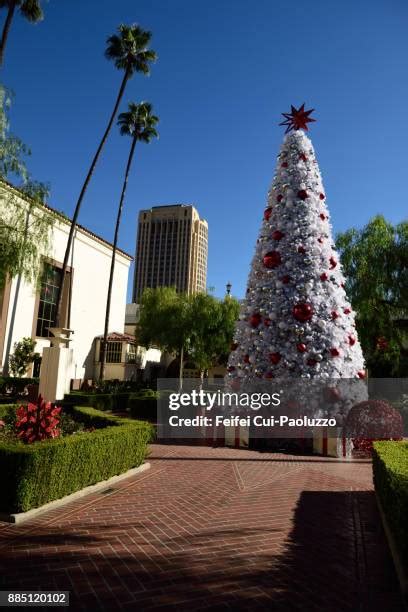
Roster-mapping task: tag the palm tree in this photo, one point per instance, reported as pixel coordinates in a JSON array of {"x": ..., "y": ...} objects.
[
  {"x": 140, "y": 124},
  {"x": 30, "y": 9},
  {"x": 129, "y": 51}
]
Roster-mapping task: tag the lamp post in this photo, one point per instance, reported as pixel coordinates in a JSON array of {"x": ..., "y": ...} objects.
[{"x": 228, "y": 287}]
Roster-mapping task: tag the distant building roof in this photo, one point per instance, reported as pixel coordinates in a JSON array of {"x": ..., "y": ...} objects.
[{"x": 119, "y": 337}]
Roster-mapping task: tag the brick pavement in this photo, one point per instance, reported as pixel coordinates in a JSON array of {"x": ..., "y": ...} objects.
[{"x": 214, "y": 529}]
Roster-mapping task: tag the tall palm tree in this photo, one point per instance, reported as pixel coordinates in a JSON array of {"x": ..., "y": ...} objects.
[
  {"x": 140, "y": 124},
  {"x": 30, "y": 9},
  {"x": 129, "y": 51}
]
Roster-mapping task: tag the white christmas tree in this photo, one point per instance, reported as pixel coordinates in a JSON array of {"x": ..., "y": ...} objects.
[{"x": 295, "y": 320}]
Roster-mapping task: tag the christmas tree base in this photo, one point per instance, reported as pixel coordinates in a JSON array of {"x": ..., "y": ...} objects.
[{"x": 330, "y": 442}]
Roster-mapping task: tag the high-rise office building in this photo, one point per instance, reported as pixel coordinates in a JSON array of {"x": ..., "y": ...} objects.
[{"x": 171, "y": 250}]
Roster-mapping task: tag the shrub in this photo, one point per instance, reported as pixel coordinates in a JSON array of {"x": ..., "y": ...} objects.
[
  {"x": 12, "y": 385},
  {"x": 373, "y": 420},
  {"x": 38, "y": 421},
  {"x": 22, "y": 357},
  {"x": 100, "y": 401},
  {"x": 390, "y": 467},
  {"x": 143, "y": 404},
  {"x": 32, "y": 475}
]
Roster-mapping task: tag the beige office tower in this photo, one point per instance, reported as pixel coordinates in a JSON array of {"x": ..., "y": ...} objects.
[{"x": 171, "y": 250}]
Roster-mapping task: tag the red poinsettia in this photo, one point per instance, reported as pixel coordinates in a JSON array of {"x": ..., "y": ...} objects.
[{"x": 38, "y": 421}]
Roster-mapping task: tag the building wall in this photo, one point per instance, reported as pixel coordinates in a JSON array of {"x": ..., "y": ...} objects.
[
  {"x": 171, "y": 250},
  {"x": 90, "y": 262}
]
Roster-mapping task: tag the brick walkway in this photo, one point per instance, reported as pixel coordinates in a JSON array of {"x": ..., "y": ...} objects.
[{"x": 214, "y": 529}]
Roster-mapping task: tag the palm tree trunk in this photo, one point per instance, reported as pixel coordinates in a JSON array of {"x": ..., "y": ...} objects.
[
  {"x": 6, "y": 30},
  {"x": 181, "y": 368},
  {"x": 102, "y": 355},
  {"x": 81, "y": 196}
]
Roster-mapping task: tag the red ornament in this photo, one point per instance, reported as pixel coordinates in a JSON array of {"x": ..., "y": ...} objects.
[
  {"x": 284, "y": 164},
  {"x": 302, "y": 348},
  {"x": 267, "y": 213},
  {"x": 269, "y": 375},
  {"x": 301, "y": 250},
  {"x": 267, "y": 322},
  {"x": 231, "y": 369},
  {"x": 275, "y": 358},
  {"x": 351, "y": 340},
  {"x": 285, "y": 279},
  {"x": 333, "y": 263},
  {"x": 272, "y": 259},
  {"x": 332, "y": 394},
  {"x": 321, "y": 196},
  {"x": 334, "y": 352},
  {"x": 342, "y": 285},
  {"x": 277, "y": 235},
  {"x": 297, "y": 119},
  {"x": 324, "y": 277},
  {"x": 322, "y": 216},
  {"x": 334, "y": 314},
  {"x": 347, "y": 311},
  {"x": 302, "y": 311},
  {"x": 302, "y": 194},
  {"x": 235, "y": 384},
  {"x": 255, "y": 319},
  {"x": 303, "y": 157},
  {"x": 311, "y": 362},
  {"x": 361, "y": 374},
  {"x": 246, "y": 358},
  {"x": 279, "y": 198}
]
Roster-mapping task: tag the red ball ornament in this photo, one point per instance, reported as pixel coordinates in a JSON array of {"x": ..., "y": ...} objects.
[
  {"x": 361, "y": 374},
  {"x": 267, "y": 322},
  {"x": 334, "y": 352},
  {"x": 269, "y": 375},
  {"x": 279, "y": 198},
  {"x": 322, "y": 216},
  {"x": 301, "y": 347},
  {"x": 284, "y": 164},
  {"x": 275, "y": 358},
  {"x": 267, "y": 213},
  {"x": 272, "y": 259},
  {"x": 255, "y": 319},
  {"x": 351, "y": 340},
  {"x": 311, "y": 362},
  {"x": 285, "y": 279},
  {"x": 277, "y": 235},
  {"x": 302, "y": 194},
  {"x": 332, "y": 394},
  {"x": 301, "y": 250},
  {"x": 334, "y": 314},
  {"x": 231, "y": 369},
  {"x": 246, "y": 358},
  {"x": 302, "y": 311},
  {"x": 303, "y": 157},
  {"x": 347, "y": 311},
  {"x": 321, "y": 196},
  {"x": 333, "y": 263},
  {"x": 342, "y": 285},
  {"x": 324, "y": 277}
]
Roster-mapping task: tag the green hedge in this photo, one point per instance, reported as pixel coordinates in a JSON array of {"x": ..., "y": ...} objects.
[
  {"x": 390, "y": 466},
  {"x": 32, "y": 475},
  {"x": 115, "y": 402},
  {"x": 14, "y": 386}
]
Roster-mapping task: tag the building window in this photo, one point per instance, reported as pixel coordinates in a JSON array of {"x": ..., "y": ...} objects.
[
  {"x": 131, "y": 355},
  {"x": 113, "y": 352},
  {"x": 47, "y": 309}
]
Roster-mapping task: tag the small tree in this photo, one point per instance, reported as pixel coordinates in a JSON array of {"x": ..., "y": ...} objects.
[
  {"x": 22, "y": 357},
  {"x": 375, "y": 261}
]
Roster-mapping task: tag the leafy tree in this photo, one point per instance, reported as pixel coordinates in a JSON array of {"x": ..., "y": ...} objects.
[
  {"x": 25, "y": 230},
  {"x": 29, "y": 9},
  {"x": 139, "y": 124},
  {"x": 129, "y": 51},
  {"x": 22, "y": 357},
  {"x": 198, "y": 326},
  {"x": 375, "y": 262}
]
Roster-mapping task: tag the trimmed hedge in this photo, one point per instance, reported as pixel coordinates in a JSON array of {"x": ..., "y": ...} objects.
[
  {"x": 115, "y": 402},
  {"x": 32, "y": 475},
  {"x": 390, "y": 467}
]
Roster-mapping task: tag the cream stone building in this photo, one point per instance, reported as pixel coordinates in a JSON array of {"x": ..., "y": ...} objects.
[
  {"x": 27, "y": 310},
  {"x": 171, "y": 250}
]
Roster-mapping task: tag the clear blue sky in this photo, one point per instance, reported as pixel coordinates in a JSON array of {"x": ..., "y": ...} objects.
[{"x": 226, "y": 70}]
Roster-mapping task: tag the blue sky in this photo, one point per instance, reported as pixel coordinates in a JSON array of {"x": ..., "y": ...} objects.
[{"x": 226, "y": 70}]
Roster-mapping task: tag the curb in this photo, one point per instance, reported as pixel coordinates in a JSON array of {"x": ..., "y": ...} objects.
[
  {"x": 399, "y": 565},
  {"x": 20, "y": 517}
]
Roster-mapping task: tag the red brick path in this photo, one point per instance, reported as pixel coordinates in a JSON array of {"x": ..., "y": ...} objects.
[{"x": 214, "y": 529}]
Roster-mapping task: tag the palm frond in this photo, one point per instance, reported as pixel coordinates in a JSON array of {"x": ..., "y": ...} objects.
[
  {"x": 128, "y": 49},
  {"x": 31, "y": 10},
  {"x": 138, "y": 122}
]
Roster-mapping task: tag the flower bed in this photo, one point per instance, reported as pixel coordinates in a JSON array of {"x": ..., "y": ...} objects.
[
  {"x": 390, "y": 467},
  {"x": 33, "y": 474}
]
